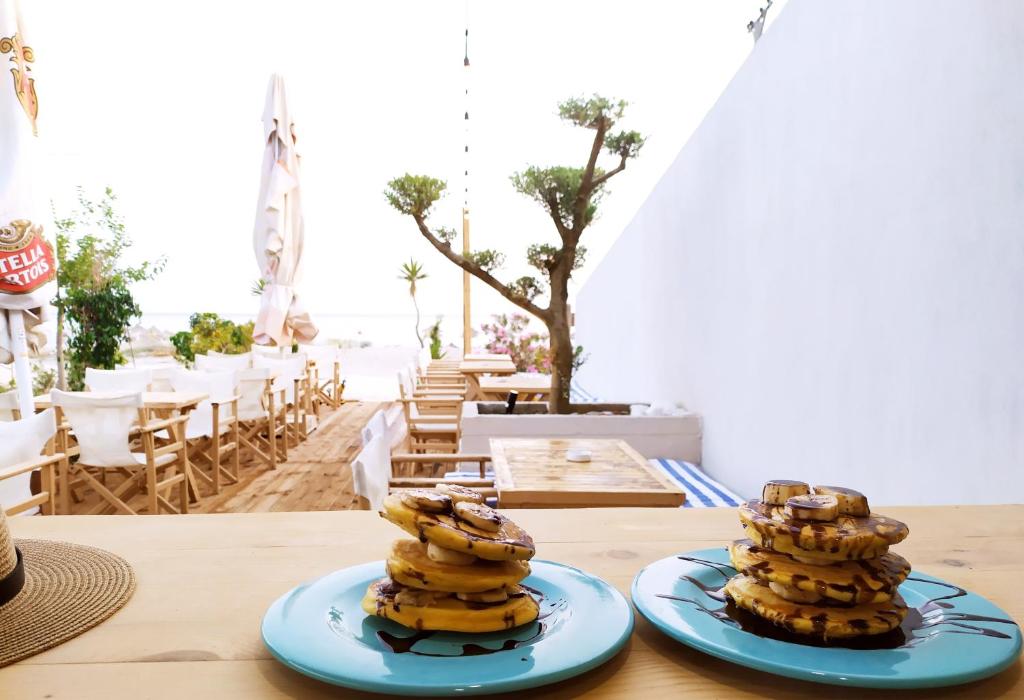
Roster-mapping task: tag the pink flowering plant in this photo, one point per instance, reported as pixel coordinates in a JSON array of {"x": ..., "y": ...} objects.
[{"x": 509, "y": 334}]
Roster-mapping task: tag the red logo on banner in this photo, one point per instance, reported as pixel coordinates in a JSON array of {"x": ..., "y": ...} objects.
[{"x": 26, "y": 259}]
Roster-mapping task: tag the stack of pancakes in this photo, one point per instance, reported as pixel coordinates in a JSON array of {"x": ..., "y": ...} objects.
[
  {"x": 817, "y": 562},
  {"x": 462, "y": 573}
]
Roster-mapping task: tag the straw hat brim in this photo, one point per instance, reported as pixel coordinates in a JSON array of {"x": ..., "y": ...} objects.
[{"x": 69, "y": 589}]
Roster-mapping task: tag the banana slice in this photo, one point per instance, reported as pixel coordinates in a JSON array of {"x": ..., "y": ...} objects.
[
  {"x": 460, "y": 494},
  {"x": 409, "y": 565},
  {"x": 510, "y": 542},
  {"x": 777, "y": 491},
  {"x": 812, "y": 561},
  {"x": 794, "y": 595},
  {"x": 427, "y": 500},
  {"x": 851, "y": 502},
  {"x": 495, "y": 595},
  {"x": 446, "y": 612},
  {"x": 816, "y": 508},
  {"x": 448, "y": 556},
  {"x": 479, "y": 516}
]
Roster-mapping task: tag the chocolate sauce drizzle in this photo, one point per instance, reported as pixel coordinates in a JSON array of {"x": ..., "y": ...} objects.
[
  {"x": 406, "y": 645},
  {"x": 936, "y": 611}
]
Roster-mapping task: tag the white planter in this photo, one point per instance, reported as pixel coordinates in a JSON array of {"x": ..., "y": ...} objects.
[{"x": 674, "y": 437}]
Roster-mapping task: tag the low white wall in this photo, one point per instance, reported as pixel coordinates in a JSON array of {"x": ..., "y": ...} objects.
[
  {"x": 673, "y": 437},
  {"x": 832, "y": 271}
]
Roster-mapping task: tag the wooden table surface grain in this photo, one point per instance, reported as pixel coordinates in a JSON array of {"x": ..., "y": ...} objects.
[
  {"x": 191, "y": 631},
  {"x": 155, "y": 400},
  {"x": 534, "y": 473}
]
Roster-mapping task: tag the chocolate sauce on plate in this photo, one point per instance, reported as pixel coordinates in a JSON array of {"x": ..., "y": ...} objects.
[{"x": 934, "y": 613}]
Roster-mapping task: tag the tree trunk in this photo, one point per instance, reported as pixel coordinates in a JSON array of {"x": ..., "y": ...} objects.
[
  {"x": 561, "y": 363},
  {"x": 417, "y": 306},
  {"x": 62, "y": 382},
  {"x": 560, "y": 339}
]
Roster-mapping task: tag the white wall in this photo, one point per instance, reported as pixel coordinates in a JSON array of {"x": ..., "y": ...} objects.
[{"x": 832, "y": 270}]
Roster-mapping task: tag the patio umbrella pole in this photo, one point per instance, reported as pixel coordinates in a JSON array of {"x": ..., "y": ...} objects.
[{"x": 22, "y": 371}]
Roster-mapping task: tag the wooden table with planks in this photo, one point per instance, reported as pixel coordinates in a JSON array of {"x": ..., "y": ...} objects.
[
  {"x": 153, "y": 400},
  {"x": 475, "y": 369},
  {"x": 204, "y": 581},
  {"x": 534, "y": 473},
  {"x": 485, "y": 356},
  {"x": 530, "y": 387}
]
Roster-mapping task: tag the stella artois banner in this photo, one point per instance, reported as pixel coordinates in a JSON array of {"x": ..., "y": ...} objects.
[{"x": 27, "y": 262}]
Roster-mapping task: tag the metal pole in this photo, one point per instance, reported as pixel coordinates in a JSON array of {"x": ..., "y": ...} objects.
[
  {"x": 467, "y": 322},
  {"x": 22, "y": 370},
  {"x": 467, "y": 318}
]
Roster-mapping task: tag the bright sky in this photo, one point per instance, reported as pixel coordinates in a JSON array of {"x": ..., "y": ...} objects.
[{"x": 163, "y": 102}]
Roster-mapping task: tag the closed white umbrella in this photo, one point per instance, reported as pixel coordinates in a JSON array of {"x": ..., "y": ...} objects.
[
  {"x": 26, "y": 260},
  {"x": 278, "y": 235}
]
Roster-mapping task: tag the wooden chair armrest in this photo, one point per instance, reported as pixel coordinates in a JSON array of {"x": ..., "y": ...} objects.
[
  {"x": 440, "y": 457},
  {"x": 225, "y": 401},
  {"x": 434, "y": 420},
  {"x": 31, "y": 465},
  {"x": 418, "y": 482},
  {"x": 153, "y": 426}
]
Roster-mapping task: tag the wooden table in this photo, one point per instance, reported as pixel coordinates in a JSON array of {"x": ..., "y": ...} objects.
[
  {"x": 531, "y": 387},
  {"x": 162, "y": 403},
  {"x": 534, "y": 473},
  {"x": 473, "y": 370},
  {"x": 153, "y": 400},
  {"x": 485, "y": 356},
  {"x": 192, "y": 629}
]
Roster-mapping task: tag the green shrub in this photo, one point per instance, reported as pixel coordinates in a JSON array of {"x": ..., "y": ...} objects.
[{"x": 209, "y": 332}]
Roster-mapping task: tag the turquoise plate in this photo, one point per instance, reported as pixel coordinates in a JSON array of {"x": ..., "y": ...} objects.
[
  {"x": 319, "y": 629},
  {"x": 956, "y": 637}
]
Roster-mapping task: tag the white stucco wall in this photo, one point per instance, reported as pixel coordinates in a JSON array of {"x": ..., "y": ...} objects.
[{"x": 832, "y": 271}]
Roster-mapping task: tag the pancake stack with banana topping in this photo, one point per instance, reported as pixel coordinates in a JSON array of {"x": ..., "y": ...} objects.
[
  {"x": 461, "y": 573},
  {"x": 817, "y": 562}
]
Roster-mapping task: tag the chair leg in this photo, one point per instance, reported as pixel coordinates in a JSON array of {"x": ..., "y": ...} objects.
[
  {"x": 151, "y": 495},
  {"x": 183, "y": 495},
  {"x": 236, "y": 437},
  {"x": 46, "y": 477}
]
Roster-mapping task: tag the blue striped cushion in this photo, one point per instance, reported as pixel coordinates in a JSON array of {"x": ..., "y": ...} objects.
[
  {"x": 701, "y": 490},
  {"x": 577, "y": 394}
]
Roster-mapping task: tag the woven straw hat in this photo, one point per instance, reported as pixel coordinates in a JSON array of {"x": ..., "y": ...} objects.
[{"x": 53, "y": 591}]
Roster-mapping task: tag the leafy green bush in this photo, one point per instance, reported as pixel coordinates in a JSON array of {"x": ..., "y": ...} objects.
[
  {"x": 93, "y": 295},
  {"x": 435, "y": 341},
  {"x": 211, "y": 332}
]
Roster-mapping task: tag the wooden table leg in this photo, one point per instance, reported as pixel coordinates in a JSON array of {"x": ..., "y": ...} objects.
[
  {"x": 179, "y": 436},
  {"x": 473, "y": 385},
  {"x": 63, "y": 445}
]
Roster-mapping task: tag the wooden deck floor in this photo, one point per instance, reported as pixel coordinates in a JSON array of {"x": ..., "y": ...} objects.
[{"x": 316, "y": 476}]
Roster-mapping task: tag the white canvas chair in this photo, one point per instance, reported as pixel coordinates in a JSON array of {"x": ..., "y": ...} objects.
[
  {"x": 427, "y": 403},
  {"x": 212, "y": 431},
  {"x": 291, "y": 376},
  {"x": 275, "y": 351},
  {"x": 416, "y": 471},
  {"x": 119, "y": 380},
  {"x": 162, "y": 377},
  {"x": 9, "y": 409},
  {"x": 433, "y": 432},
  {"x": 261, "y": 422},
  {"x": 104, "y": 426},
  {"x": 377, "y": 426},
  {"x": 219, "y": 362},
  {"x": 415, "y": 386},
  {"x": 21, "y": 443},
  {"x": 325, "y": 374},
  {"x": 371, "y": 472}
]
